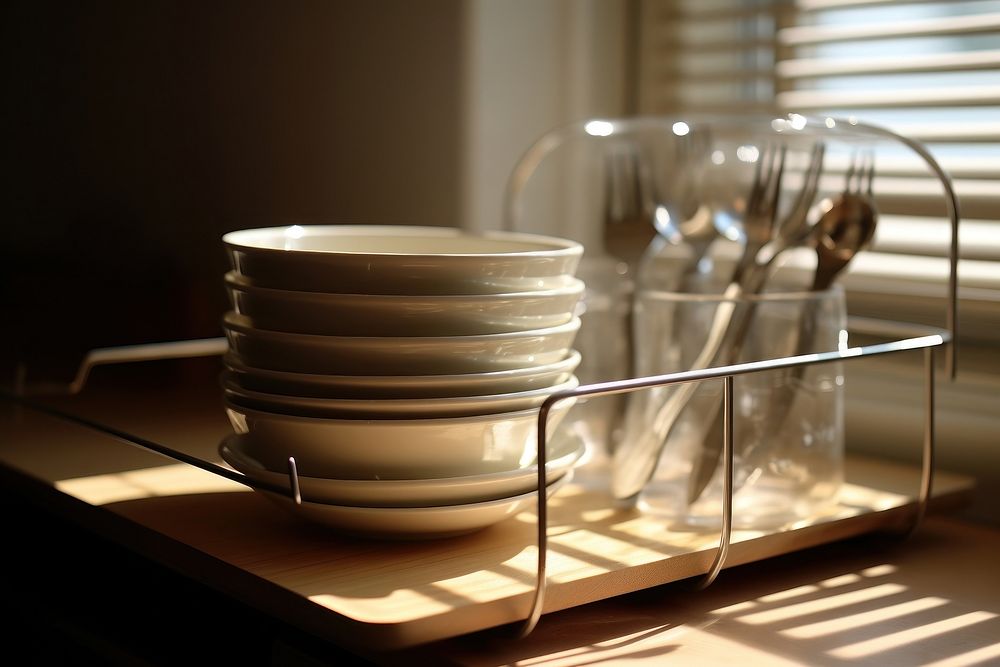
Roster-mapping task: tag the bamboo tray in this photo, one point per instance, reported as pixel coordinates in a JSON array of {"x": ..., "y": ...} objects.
[{"x": 393, "y": 595}]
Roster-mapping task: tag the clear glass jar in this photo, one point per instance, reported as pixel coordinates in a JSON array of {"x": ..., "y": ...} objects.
[
  {"x": 788, "y": 423},
  {"x": 604, "y": 342}
]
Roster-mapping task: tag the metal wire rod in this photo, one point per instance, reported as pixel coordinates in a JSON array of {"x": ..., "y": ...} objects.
[
  {"x": 727, "y": 486},
  {"x": 144, "y": 443},
  {"x": 940, "y": 337}
]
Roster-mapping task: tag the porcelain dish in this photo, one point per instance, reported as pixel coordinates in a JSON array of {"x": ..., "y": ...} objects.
[
  {"x": 414, "y": 523},
  {"x": 401, "y": 315},
  {"x": 394, "y": 448},
  {"x": 445, "y": 385},
  {"x": 397, "y": 355},
  {"x": 400, "y": 259},
  {"x": 564, "y": 452},
  {"x": 390, "y": 408}
]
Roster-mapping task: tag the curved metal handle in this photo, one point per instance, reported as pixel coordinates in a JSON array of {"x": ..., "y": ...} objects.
[{"x": 201, "y": 347}]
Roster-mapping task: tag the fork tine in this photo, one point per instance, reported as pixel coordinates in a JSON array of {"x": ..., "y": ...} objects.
[
  {"x": 765, "y": 189},
  {"x": 646, "y": 188},
  {"x": 807, "y": 192},
  {"x": 759, "y": 183},
  {"x": 773, "y": 189},
  {"x": 629, "y": 194},
  {"x": 869, "y": 175},
  {"x": 760, "y": 213},
  {"x": 613, "y": 184},
  {"x": 852, "y": 170},
  {"x": 629, "y": 198},
  {"x": 636, "y": 186}
]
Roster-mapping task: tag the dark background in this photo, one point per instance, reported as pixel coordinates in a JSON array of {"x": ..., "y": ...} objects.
[{"x": 137, "y": 133}]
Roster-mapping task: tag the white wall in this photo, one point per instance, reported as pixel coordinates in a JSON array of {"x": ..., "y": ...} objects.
[{"x": 532, "y": 65}]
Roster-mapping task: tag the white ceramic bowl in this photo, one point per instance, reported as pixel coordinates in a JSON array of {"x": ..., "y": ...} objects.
[
  {"x": 397, "y": 355},
  {"x": 401, "y": 386},
  {"x": 415, "y": 523},
  {"x": 564, "y": 452},
  {"x": 401, "y": 315},
  {"x": 390, "y": 408},
  {"x": 393, "y": 448},
  {"x": 400, "y": 259}
]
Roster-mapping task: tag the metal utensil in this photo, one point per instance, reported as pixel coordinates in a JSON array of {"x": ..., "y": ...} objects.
[
  {"x": 797, "y": 227},
  {"x": 635, "y": 459},
  {"x": 794, "y": 229},
  {"x": 848, "y": 225},
  {"x": 686, "y": 218},
  {"x": 630, "y": 201},
  {"x": 758, "y": 224},
  {"x": 845, "y": 228}
]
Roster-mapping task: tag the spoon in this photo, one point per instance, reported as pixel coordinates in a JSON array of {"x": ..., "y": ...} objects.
[
  {"x": 696, "y": 232},
  {"x": 636, "y": 459},
  {"x": 682, "y": 219},
  {"x": 848, "y": 225}
]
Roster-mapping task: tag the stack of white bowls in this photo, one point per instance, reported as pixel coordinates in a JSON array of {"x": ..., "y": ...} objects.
[{"x": 402, "y": 368}]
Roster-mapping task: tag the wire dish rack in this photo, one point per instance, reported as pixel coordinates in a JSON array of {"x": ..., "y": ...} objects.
[{"x": 572, "y": 142}]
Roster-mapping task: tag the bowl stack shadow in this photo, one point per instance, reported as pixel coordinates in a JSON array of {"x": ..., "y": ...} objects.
[{"x": 402, "y": 367}]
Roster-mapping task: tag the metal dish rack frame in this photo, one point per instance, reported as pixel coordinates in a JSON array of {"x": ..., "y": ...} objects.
[{"x": 910, "y": 337}]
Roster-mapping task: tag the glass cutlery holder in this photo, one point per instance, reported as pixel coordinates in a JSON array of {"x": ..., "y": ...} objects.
[{"x": 788, "y": 423}]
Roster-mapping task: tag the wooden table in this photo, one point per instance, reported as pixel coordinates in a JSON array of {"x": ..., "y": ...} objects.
[{"x": 315, "y": 595}]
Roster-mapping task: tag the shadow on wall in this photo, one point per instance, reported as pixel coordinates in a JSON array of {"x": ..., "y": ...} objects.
[{"x": 138, "y": 133}]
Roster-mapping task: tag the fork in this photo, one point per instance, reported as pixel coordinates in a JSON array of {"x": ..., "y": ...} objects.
[
  {"x": 629, "y": 202},
  {"x": 792, "y": 230}
]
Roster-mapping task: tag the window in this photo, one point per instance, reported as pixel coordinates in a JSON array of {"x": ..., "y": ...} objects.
[{"x": 928, "y": 70}]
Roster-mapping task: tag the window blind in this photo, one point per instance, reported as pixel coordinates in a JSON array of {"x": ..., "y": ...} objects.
[
  {"x": 705, "y": 56},
  {"x": 928, "y": 70}
]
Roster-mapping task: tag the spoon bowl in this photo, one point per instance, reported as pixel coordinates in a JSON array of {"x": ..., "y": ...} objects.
[
  {"x": 686, "y": 218},
  {"x": 848, "y": 224}
]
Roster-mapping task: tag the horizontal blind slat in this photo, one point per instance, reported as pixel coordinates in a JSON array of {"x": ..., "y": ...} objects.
[
  {"x": 922, "y": 274},
  {"x": 935, "y": 27},
  {"x": 956, "y": 96},
  {"x": 666, "y": 46},
  {"x": 804, "y": 68},
  {"x": 958, "y": 167},
  {"x": 873, "y": 271},
  {"x": 897, "y": 234},
  {"x": 702, "y": 12},
  {"x": 819, "y": 5},
  {"x": 944, "y": 132},
  {"x": 669, "y": 77},
  {"x": 976, "y": 199}
]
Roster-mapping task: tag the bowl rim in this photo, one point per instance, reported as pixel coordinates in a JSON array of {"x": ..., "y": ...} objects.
[
  {"x": 549, "y": 246},
  {"x": 569, "y": 363},
  {"x": 419, "y": 422},
  {"x": 497, "y": 503},
  {"x": 247, "y": 329},
  {"x": 234, "y": 280},
  {"x": 232, "y": 387},
  {"x": 559, "y": 460}
]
